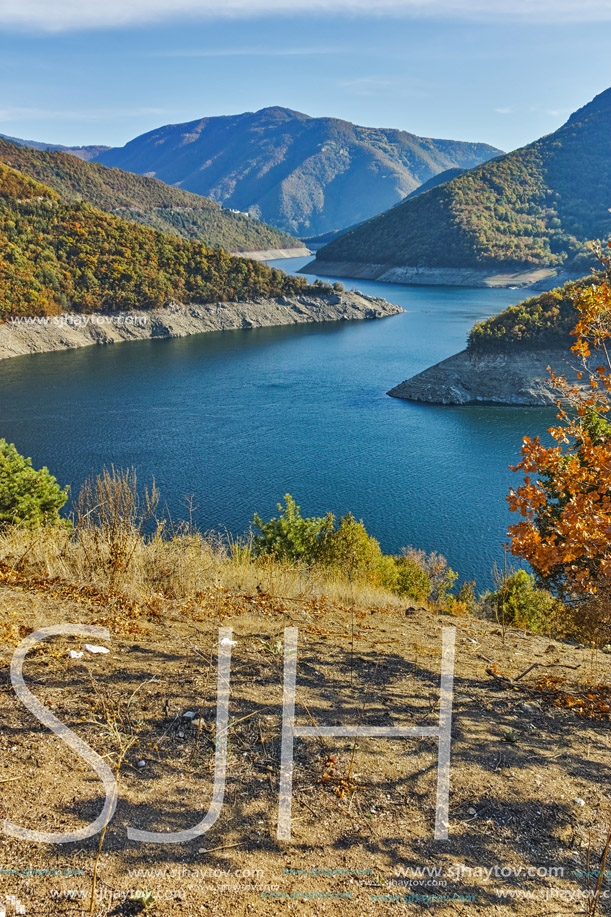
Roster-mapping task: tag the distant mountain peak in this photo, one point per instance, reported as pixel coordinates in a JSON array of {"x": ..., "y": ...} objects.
[
  {"x": 303, "y": 174},
  {"x": 274, "y": 110}
]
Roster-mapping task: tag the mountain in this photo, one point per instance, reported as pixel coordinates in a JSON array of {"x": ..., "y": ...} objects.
[
  {"x": 534, "y": 208},
  {"x": 145, "y": 200},
  {"x": 58, "y": 255},
  {"x": 436, "y": 180},
  {"x": 305, "y": 175},
  {"x": 81, "y": 152},
  {"x": 315, "y": 242}
]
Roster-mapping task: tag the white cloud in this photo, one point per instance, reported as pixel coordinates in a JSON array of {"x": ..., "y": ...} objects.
[
  {"x": 61, "y": 15},
  {"x": 504, "y": 111},
  {"x": 249, "y": 52}
]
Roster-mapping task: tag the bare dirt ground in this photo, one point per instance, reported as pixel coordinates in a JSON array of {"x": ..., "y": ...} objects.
[{"x": 529, "y": 798}]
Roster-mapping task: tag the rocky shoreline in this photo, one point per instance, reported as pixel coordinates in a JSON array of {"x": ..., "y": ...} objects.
[
  {"x": 22, "y": 336},
  {"x": 539, "y": 278},
  {"x": 275, "y": 254},
  {"x": 508, "y": 378}
]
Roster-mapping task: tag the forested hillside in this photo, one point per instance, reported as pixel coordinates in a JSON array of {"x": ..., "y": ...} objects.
[
  {"x": 538, "y": 206},
  {"x": 57, "y": 256},
  {"x": 539, "y": 322},
  {"x": 144, "y": 200},
  {"x": 306, "y": 175}
]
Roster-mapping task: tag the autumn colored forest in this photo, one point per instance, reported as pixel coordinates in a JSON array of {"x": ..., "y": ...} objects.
[{"x": 56, "y": 256}]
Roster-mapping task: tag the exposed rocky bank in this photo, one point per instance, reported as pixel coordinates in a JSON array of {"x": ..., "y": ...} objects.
[
  {"x": 21, "y": 336},
  {"x": 538, "y": 278},
  {"x": 516, "y": 377},
  {"x": 275, "y": 254}
]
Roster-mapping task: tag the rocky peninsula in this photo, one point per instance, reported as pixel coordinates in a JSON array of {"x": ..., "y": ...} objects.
[
  {"x": 21, "y": 335},
  {"x": 516, "y": 377}
]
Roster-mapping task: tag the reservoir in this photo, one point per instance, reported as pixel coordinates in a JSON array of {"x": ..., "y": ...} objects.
[{"x": 235, "y": 420}]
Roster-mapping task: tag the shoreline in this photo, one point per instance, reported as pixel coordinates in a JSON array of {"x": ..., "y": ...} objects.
[
  {"x": 536, "y": 278},
  {"x": 502, "y": 378},
  {"x": 275, "y": 254},
  {"x": 23, "y": 335}
]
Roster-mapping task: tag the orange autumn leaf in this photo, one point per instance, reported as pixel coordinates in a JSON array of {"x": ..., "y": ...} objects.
[{"x": 565, "y": 499}]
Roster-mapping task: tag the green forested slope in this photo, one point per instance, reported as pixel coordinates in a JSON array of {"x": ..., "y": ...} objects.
[
  {"x": 537, "y": 323},
  {"x": 538, "y": 206},
  {"x": 144, "y": 200}
]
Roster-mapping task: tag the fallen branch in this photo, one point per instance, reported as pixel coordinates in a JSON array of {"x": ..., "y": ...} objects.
[{"x": 547, "y": 665}]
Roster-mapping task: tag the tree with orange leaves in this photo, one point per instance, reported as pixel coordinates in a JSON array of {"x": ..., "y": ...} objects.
[{"x": 565, "y": 500}]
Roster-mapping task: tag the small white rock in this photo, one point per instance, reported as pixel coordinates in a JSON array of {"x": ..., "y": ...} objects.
[
  {"x": 75, "y": 654},
  {"x": 141, "y": 763},
  {"x": 189, "y": 715},
  {"x": 579, "y": 801},
  {"x": 91, "y": 648}
]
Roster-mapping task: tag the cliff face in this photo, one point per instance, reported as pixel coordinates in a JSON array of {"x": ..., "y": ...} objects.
[
  {"x": 22, "y": 336},
  {"x": 492, "y": 378}
]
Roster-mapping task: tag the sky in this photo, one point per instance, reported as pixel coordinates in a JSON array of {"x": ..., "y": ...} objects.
[{"x": 103, "y": 71}]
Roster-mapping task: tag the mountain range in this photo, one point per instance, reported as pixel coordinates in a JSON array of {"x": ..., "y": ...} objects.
[
  {"x": 304, "y": 175},
  {"x": 537, "y": 207}
]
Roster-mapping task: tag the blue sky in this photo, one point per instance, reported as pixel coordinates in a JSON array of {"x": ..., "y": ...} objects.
[{"x": 89, "y": 71}]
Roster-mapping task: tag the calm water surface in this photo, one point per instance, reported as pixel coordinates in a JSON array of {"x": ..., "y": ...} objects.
[{"x": 238, "y": 419}]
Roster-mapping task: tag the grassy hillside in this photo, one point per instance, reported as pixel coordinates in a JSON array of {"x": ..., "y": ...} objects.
[
  {"x": 57, "y": 256},
  {"x": 307, "y": 175},
  {"x": 537, "y": 206},
  {"x": 144, "y": 200}
]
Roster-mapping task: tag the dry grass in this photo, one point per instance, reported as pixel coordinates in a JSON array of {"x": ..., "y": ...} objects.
[
  {"x": 530, "y": 765},
  {"x": 180, "y": 566},
  {"x": 530, "y": 747}
]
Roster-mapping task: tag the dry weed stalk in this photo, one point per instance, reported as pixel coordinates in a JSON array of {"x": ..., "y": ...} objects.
[
  {"x": 117, "y": 718},
  {"x": 110, "y": 509}
]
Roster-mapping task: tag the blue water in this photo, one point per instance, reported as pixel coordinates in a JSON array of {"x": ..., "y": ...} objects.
[{"x": 238, "y": 419}]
